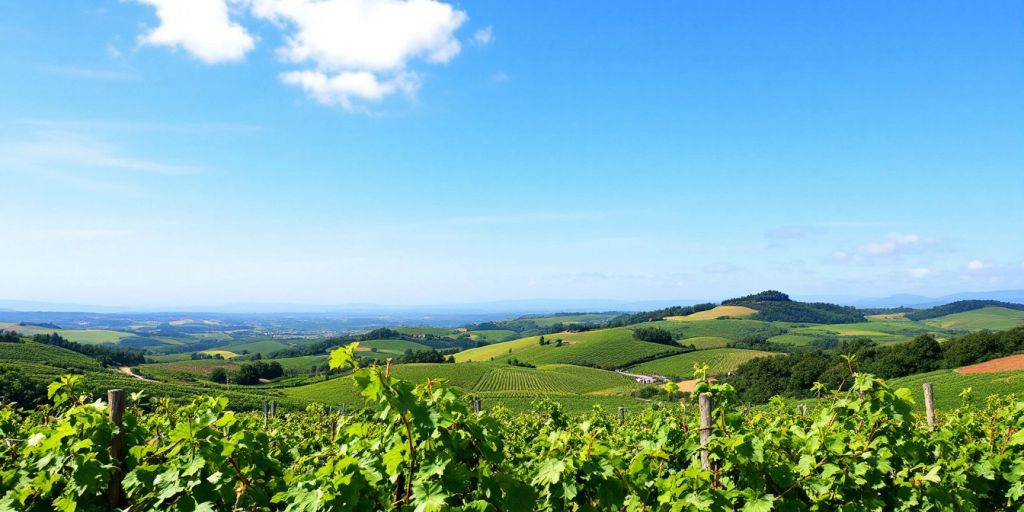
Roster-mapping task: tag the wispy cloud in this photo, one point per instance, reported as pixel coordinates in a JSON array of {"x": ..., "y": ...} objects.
[
  {"x": 892, "y": 245},
  {"x": 94, "y": 125},
  {"x": 66, "y": 150},
  {"x": 89, "y": 73},
  {"x": 483, "y": 36}
]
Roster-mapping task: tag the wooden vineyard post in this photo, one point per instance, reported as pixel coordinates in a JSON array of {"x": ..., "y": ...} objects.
[
  {"x": 929, "y": 405},
  {"x": 803, "y": 409},
  {"x": 266, "y": 412},
  {"x": 476, "y": 405},
  {"x": 622, "y": 415},
  {"x": 341, "y": 410},
  {"x": 115, "y": 402},
  {"x": 706, "y": 403},
  {"x": 273, "y": 408}
]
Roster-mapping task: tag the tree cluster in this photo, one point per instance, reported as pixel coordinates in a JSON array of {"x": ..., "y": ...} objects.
[
  {"x": 653, "y": 335},
  {"x": 658, "y": 314},
  {"x": 249, "y": 373},
  {"x": 795, "y": 375},
  {"x": 423, "y": 356}
]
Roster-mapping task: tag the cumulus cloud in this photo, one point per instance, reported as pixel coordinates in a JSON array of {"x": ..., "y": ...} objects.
[
  {"x": 484, "y": 36},
  {"x": 348, "y": 50},
  {"x": 341, "y": 88},
  {"x": 202, "y": 27},
  {"x": 361, "y": 49}
]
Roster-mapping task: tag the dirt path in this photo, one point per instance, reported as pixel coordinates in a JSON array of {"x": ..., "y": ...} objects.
[
  {"x": 1003, "y": 364},
  {"x": 129, "y": 372}
]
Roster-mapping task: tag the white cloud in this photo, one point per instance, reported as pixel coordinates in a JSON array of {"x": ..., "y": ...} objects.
[
  {"x": 202, "y": 27},
  {"x": 361, "y": 49},
  {"x": 484, "y": 36},
  {"x": 341, "y": 88},
  {"x": 351, "y": 49},
  {"x": 919, "y": 273},
  {"x": 892, "y": 245},
  {"x": 499, "y": 76},
  {"x": 978, "y": 266}
]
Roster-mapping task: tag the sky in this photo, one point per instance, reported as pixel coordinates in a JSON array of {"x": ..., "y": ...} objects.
[{"x": 163, "y": 152}]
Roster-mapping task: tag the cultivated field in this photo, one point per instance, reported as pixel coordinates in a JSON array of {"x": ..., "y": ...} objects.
[
  {"x": 720, "y": 361},
  {"x": 716, "y": 313},
  {"x": 992, "y": 318}
]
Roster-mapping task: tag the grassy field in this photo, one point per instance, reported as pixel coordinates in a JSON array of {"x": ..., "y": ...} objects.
[
  {"x": 605, "y": 348},
  {"x": 947, "y": 385},
  {"x": 493, "y": 336},
  {"x": 882, "y": 331},
  {"x": 226, "y": 354},
  {"x": 719, "y": 360},
  {"x": 728, "y": 329},
  {"x": 85, "y": 336},
  {"x": 797, "y": 340},
  {"x": 260, "y": 347},
  {"x": 992, "y": 318},
  {"x": 706, "y": 342},
  {"x": 716, "y": 313},
  {"x": 300, "y": 363}
]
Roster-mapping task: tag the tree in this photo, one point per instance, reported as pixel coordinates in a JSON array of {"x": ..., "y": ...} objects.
[
  {"x": 219, "y": 375},
  {"x": 653, "y": 335}
]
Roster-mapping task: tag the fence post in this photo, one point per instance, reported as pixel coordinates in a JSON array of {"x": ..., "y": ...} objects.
[
  {"x": 273, "y": 408},
  {"x": 622, "y": 414},
  {"x": 115, "y": 403},
  {"x": 929, "y": 405},
  {"x": 706, "y": 403},
  {"x": 476, "y": 405},
  {"x": 266, "y": 413}
]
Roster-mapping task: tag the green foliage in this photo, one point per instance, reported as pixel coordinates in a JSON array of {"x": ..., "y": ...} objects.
[
  {"x": 960, "y": 306},
  {"x": 653, "y": 335},
  {"x": 420, "y": 448}
]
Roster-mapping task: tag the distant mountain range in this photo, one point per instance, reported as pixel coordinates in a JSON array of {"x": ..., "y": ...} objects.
[{"x": 921, "y": 301}]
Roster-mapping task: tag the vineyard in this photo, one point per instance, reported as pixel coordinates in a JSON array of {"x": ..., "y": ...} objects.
[
  {"x": 719, "y": 360},
  {"x": 421, "y": 447}
]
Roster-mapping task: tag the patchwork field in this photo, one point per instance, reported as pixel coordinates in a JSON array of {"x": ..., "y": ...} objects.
[
  {"x": 723, "y": 328},
  {"x": 991, "y": 317},
  {"x": 706, "y": 342},
  {"x": 720, "y": 361}
]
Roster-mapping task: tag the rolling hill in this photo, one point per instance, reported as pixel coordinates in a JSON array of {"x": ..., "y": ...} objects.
[
  {"x": 604, "y": 348},
  {"x": 989, "y": 317}
]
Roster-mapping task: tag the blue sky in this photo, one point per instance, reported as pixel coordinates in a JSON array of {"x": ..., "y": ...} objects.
[{"x": 166, "y": 152}]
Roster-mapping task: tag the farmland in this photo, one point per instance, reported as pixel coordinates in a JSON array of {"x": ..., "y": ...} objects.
[
  {"x": 605, "y": 348},
  {"x": 993, "y": 318},
  {"x": 720, "y": 361}
]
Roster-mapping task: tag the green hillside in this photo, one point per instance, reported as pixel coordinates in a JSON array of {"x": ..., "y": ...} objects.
[
  {"x": 86, "y": 336},
  {"x": 719, "y": 360},
  {"x": 46, "y": 354},
  {"x": 948, "y": 384},
  {"x": 604, "y": 348},
  {"x": 994, "y": 318}
]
